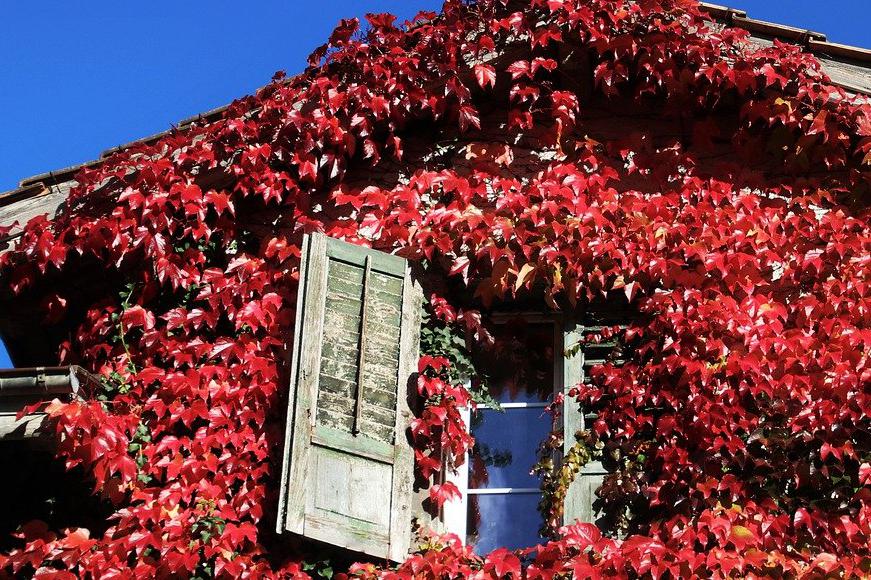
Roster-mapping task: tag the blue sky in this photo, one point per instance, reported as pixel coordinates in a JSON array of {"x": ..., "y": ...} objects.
[{"x": 80, "y": 76}]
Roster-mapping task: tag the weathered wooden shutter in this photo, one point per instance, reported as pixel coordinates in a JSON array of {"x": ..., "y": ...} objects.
[
  {"x": 581, "y": 496},
  {"x": 348, "y": 467}
]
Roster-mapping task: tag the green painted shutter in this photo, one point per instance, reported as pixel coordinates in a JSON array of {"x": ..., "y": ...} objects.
[
  {"x": 348, "y": 467},
  {"x": 581, "y": 495}
]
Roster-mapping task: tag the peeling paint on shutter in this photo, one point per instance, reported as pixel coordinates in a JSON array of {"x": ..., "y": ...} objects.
[{"x": 347, "y": 474}]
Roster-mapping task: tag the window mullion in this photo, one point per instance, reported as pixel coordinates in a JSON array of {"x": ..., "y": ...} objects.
[{"x": 542, "y": 405}]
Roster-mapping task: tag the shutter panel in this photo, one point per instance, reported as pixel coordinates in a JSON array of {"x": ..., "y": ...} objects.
[
  {"x": 582, "y": 492},
  {"x": 348, "y": 467}
]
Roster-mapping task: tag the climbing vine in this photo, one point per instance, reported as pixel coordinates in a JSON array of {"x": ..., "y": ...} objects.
[{"x": 544, "y": 152}]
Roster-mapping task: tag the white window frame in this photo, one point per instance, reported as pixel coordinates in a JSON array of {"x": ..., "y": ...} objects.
[{"x": 455, "y": 512}]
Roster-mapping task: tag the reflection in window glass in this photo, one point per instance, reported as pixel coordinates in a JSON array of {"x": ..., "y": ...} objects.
[
  {"x": 506, "y": 445},
  {"x": 520, "y": 363},
  {"x": 503, "y": 520}
]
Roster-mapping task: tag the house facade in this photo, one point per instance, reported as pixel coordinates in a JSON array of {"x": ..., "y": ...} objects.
[{"x": 515, "y": 267}]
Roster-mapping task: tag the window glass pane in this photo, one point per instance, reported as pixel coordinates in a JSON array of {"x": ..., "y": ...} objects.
[
  {"x": 506, "y": 445},
  {"x": 503, "y": 520},
  {"x": 5, "y": 362},
  {"x": 519, "y": 365}
]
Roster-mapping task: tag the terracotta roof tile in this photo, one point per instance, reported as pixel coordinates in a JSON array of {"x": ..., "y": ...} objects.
[{"x": 814, "y": 41}]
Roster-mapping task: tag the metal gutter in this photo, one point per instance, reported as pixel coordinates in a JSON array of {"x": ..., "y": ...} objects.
[
  {"x": 22, "y": 387},
  {"x": 43, "y": 381}
]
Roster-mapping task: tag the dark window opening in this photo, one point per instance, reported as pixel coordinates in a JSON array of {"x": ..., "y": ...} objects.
[
  {"x": 5, "y": 361},
  {"x": 24, "y": 341},
  {"x": 37, "y": 486}
]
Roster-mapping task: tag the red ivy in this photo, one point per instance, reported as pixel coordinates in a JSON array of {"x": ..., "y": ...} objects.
[{"x": 738, "y": 428}]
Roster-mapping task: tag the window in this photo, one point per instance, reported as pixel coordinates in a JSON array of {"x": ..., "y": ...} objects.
[
  {"x": 527, "y": 367},
  {"x": 500, "y": 497},
  {"x": 24, "y": 340}
]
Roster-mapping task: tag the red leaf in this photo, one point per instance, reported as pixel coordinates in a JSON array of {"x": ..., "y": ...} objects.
[
  {"x": 503, "y": 563},
  {"x": 582, "y": 533},
  {"x": 381, "y": 20},
  {"x": 469, "y": 118},
  {"x": 460, "y": 266},
  {"x": 485, "y": 75},
  {"x": 344, "y": 31},
  {"x": 520, "y": 68},
  {"x": 440, "y": 493},
  {"x": 137, "y": 317},
  {"x": 436, "y": 363},
  {"x": 547, "y": 64},
  {"x": 220, "y": 201}
]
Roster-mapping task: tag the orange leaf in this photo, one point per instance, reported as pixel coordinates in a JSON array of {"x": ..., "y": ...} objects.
[{"x": 525, "y": 271}]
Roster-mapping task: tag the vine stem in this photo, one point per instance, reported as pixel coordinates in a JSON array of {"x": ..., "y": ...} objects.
[{"x": 124, "y": 305}]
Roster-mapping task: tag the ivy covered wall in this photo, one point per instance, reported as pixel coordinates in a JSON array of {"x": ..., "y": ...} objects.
[{"x": 553, "y": 152}]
